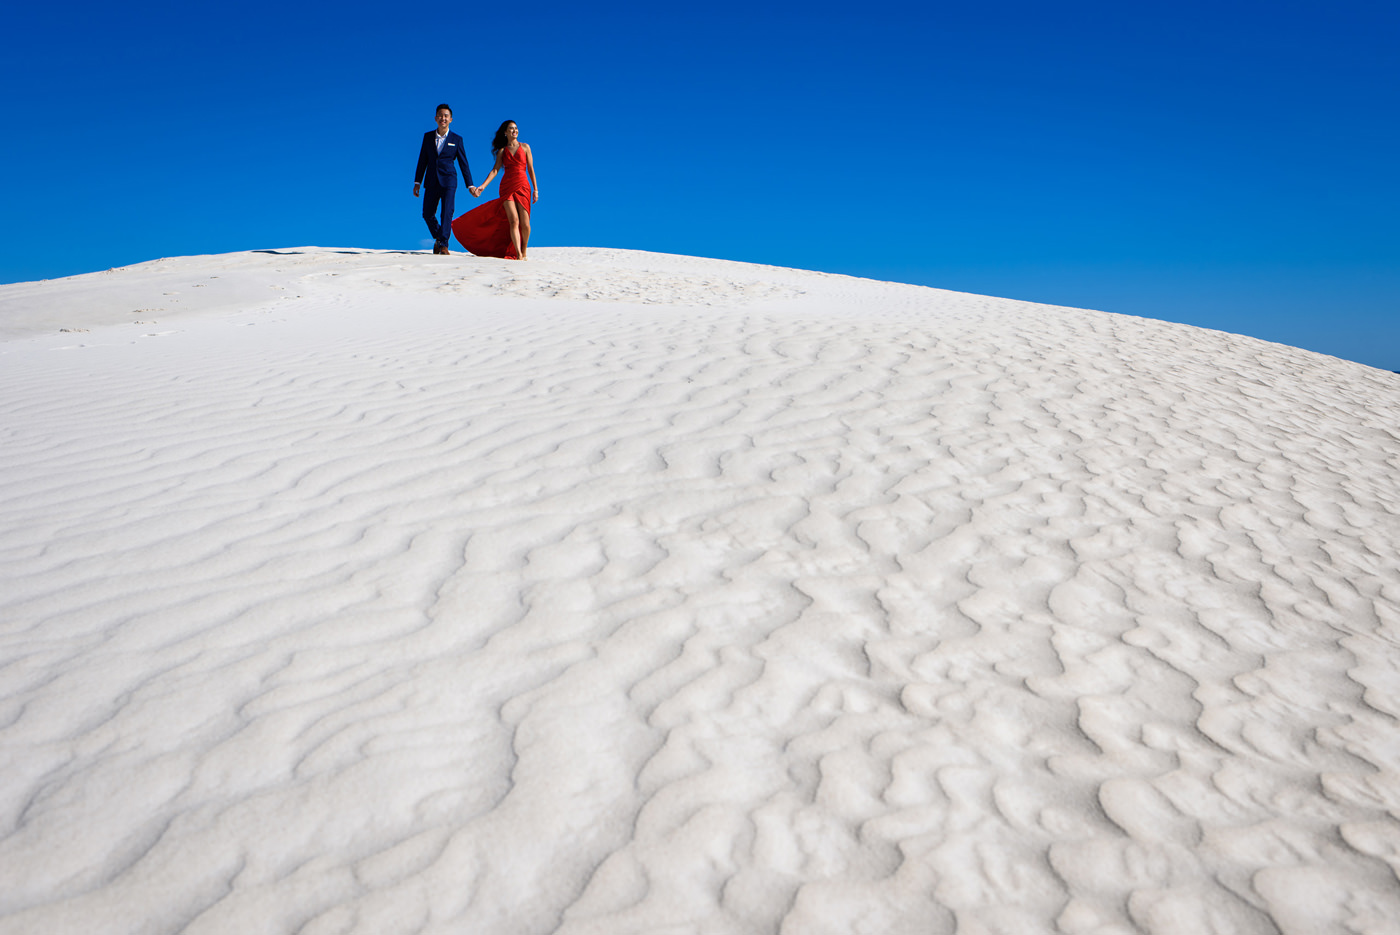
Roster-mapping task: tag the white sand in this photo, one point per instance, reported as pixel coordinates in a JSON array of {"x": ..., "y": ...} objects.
[{"x": 359, "y": 591}]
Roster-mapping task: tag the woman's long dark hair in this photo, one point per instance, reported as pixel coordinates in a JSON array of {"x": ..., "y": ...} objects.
[{"x": 499, "y": 143}]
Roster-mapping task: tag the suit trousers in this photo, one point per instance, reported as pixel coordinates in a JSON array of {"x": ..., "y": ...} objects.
[{"x": 433, "y": 194}]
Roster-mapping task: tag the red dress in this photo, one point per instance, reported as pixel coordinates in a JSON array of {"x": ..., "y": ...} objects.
[{"x": 485, "y": 229}]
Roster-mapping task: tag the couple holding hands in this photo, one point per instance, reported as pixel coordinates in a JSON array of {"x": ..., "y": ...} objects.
[{"x": 500, "y": 227}]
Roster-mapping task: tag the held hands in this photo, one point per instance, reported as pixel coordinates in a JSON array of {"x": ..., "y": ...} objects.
[{"x": 476, "y": 192}]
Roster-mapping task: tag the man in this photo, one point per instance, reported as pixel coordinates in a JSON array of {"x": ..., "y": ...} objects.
[{"x": 435, "y": 161}]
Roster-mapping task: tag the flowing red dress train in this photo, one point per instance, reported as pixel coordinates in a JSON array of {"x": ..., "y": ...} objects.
[{"x": 485, "y": 229}]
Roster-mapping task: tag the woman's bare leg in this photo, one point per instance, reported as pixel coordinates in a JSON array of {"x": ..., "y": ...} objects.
[
  {"x": 524, "y": 233},
  {"x": 513, "y": 215}
]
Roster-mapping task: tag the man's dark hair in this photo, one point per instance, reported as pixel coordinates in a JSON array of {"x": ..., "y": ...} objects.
[{"x": 443, "y": 107}]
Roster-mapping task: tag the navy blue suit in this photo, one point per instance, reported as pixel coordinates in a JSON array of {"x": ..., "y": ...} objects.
[{"x": 439, "y": 175}]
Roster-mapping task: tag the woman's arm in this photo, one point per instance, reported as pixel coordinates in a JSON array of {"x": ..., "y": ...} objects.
[
  {"x": 476, "y": 192},
  {"x": 530, "y": 164}
]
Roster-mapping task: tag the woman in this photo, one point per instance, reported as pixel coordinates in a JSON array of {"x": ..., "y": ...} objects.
[{"x": 502, "y": 227}]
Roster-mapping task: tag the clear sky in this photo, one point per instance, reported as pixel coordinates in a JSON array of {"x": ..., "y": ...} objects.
[{"x": 1226, "y": 164}]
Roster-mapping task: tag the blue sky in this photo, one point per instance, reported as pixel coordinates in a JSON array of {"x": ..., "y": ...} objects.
[{"x": 1226, "y": 164}]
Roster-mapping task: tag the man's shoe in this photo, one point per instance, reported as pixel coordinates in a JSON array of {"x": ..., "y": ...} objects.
[{"x": 437, "y": 249}]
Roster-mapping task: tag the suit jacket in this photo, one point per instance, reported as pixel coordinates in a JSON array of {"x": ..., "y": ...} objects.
[{"x": 438, "y": 165}]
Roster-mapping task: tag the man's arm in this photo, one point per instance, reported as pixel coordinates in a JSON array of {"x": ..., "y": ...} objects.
[
  {"x": 466, "y": 169},
  {"x": 422, "y": 166}
]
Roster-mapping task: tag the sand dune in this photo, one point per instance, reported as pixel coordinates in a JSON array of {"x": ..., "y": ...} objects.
[{"x": 376, "y": 592}]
